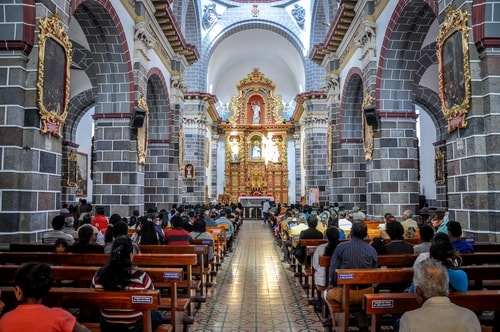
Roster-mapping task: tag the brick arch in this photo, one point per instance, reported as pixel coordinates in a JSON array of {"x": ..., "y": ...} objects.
[
  {"x": 78, "y": 106},
  {"x": 350, "y": 107},
  {"x": 428, "y": 99},
  {"x": 160, "y": 114},
  {"x": 401, "y": 47},
  {"x": 108, "y": 46}
]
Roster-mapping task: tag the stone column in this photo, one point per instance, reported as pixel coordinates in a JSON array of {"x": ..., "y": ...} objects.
[
  {"x": 213, "y": 166},
  {"x": 332, "y": 90},
  {"x": 30, "y": 184},
  {"x": 194, "y": 124},
  {"x": 299, "y": 169},
  {"x": 315, "y": 130}
]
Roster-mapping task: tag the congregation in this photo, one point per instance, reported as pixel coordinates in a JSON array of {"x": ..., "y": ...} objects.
[{"x": 358, "y": 244}]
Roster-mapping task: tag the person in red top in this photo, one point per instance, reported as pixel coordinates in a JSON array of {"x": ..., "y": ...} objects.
[
  {"x": 100, "y": 222},
  {"x": 32, "y": 282},
  {"x": 178, "y": 235}
]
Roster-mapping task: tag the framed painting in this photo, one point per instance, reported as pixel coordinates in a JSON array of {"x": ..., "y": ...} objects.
[
  {"x": 82, "y": 175},
  {"x": 439, "y": 168},
  {"x": 189, "y": 172},
  {"x": 72, "y": 178},
  {"x": 53, "y": 81},
  {"x": 454, "y": 68}
]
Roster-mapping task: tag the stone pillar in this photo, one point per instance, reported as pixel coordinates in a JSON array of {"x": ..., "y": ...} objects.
[
  {"x": 332, "y": 90},
  {"x": 194, "y": 124},
  {"x": 392, "y": 176},
  {"x": 30, "y": 184},
  {"x": 472, "y": 153},
  {"x": 214, "y": 143},
  {"x": 299, "y": 169},
  {"x": 315, "y": 130}
]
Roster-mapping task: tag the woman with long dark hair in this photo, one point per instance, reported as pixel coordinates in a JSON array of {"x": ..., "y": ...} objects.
[
  {"x": 120, "y": 274},
  {"x": 147, "y": 234}
]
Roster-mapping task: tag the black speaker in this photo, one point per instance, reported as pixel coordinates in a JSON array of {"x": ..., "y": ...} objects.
[
  {"x": 371, "y": 116},
  {"x": 138, "y": 117}
]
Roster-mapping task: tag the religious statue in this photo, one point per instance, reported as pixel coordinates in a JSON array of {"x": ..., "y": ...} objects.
[
  {"x": 256, "y": 112},
  {"x": 256, "y": 150}
]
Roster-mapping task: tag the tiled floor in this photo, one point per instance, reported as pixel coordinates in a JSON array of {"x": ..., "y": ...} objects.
[{"x": 255, "y": 291}]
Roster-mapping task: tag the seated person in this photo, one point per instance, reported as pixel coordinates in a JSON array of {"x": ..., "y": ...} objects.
[
  {"x": 455, "y": 234},
  {"x": 86, "y": 241},
  {"x": 397, "y": 245},
  {"x": 437, "y": 313},
  {"x": 443, "y": 251},
  {"x": 32, "y": 282},
  {"x": 426, "y": 235}
]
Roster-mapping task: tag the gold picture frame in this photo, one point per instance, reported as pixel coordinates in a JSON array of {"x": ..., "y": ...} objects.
[
  {"x": 367, "y": 130},
  {"x": 439, "y": 168},
  {"x": 53, "y": 82},
  {"x": 454, "y": 68},
  {"x": 142, "y": 132},
  {"x": 72, "y": 178},
  {"x": 82, "y": 174}
]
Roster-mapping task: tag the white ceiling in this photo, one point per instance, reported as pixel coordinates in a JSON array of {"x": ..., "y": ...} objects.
[{"x": 236, "y": 56}]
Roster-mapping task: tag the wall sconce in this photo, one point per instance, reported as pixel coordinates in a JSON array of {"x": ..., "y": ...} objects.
[
  {"x": 138, "y": 117},
  {"x": 371, "y": 116}
]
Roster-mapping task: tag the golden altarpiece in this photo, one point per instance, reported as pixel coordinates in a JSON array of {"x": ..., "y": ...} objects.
[{"x": 256, "y": 161}]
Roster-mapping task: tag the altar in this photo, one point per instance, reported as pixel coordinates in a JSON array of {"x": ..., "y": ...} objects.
[
  {"x": 252, "y": 205},
  {"x": 256, "y": 136}
]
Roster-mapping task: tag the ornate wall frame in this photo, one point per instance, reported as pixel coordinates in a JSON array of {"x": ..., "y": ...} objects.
[
  {"x": 367, "y": 130},
  {"x": 142, "y": 132},
  {"x": 454, "y": 68},
  {"x": 82, "y": 175},
  {"x": 72, "y": 178},
  {"x": 439, "y": 168},
  {"x": 189, "y": 173},
  {"x": 53, "y": 82}
]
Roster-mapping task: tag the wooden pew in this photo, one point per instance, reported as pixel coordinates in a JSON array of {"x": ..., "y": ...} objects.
[
  {"x": 380, "y": 304},
  {"x": 348, "y": 278},
  {"x": 210, "y": 264},
  {"x": 407, "y": 260},
  {"x": 305, "y": 269},
  {"x": 199, "y": 270},
  {"x": 187, "y": 261},
  {"x": 163, "y": 278},
  {"x": 219, "y": 235},
  {"x": 31, "y": 247},
  {"x": 144, "y": 301}
]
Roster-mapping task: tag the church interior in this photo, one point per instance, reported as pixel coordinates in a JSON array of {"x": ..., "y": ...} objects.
[{"x": 381, "y": 106}]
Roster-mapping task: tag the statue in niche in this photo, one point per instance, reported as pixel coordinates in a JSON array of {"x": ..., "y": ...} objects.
[
  {"x": 256, "y": 153},
  {"x": 299, "y": 13},
  {"x": 210, "y": 16},
  {"x": 256, "y": 112}
]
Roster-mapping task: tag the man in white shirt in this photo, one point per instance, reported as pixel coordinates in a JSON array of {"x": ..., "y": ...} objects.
[{"x": 265, "y": 211}]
